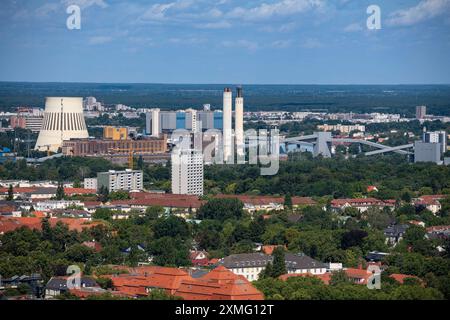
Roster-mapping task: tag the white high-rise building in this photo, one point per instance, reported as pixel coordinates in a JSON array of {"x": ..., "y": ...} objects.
[
  {"x": 196, "y": 125},
  {"x": 187, "y": 172},
  {"x": 239, "y": 123},
  {"x": 227, "y": 126},
  {"x": 155, "y": 122},
  {"x": 63, "y": 120},
  {"x": 128, "y": 180},
  {"x": 436, "y": 137}
]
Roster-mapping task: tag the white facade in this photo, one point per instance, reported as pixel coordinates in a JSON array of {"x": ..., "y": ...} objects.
[
  {"x": 56, "y": 204},
  {"x": 155, "y": 122},
  {"x": 187, "y": 172},
  {"x": 227, "y": 125},
  {"x": 127, "y": 180},
  {"x": 239, "y": 122},
  {"x": 63, "y": 120},
  {"x": 90, "y": 183}
]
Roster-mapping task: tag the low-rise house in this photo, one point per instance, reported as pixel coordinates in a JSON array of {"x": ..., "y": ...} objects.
[
  {"x": 60, "y": 285},
  {"x": 268, "y": 203},
  {"x": 429, "y": 202},
  {"x": 394, "y": 233},
  {"x": 355, "y": 275},
  {"x": 199, "y": 258},
  {"x": 402, "y": 277},
  {"x": 361, "y": 204},
  {"x": 10, "y": 209},
  {"x": 436, "y": 232},
  {"x": 376, "y": 256},
  {"x": 57, "y": 204},
  {"x": 250, "y": 265}
]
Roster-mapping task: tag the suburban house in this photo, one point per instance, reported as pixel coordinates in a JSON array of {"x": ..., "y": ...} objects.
[
  {"x": 199, "y": 258},
  {"x": 250, "y": 265},
  {"x": 429, "y": 202},
  {"x": 58, "y": 285},
  {"x": 394, "y": 233},
  {"x": 361, "y": 204}
]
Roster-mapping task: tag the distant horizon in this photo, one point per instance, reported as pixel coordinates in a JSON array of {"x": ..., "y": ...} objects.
[{"x": 232, "y": 84}]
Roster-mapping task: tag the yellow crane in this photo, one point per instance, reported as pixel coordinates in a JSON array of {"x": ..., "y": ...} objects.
[{"x": 131, "y": 152}]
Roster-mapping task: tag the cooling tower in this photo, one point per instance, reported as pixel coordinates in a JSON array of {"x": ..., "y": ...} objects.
[{"x": 63, "y": 120}]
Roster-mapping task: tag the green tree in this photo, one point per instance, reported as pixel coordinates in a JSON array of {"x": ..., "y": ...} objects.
[
  {"x": 60, "y": 194},
  {"x": 279, "y": 262},
  {"x": 221, "y": 209},
  {"x": 288, "y": 201},
  {"x": 10, "y": 196}
]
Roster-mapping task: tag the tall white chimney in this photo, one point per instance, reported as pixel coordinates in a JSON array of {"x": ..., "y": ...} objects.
[
  {"x": 155, "y": 122},
  {"x": 227, "y": 126},
  {"x": 239, "y": 123}
]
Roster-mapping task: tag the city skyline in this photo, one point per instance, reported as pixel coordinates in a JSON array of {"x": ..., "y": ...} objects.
[{"x": 196, "y": 41}]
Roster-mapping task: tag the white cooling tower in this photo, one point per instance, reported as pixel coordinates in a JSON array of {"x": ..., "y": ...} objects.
[{"x": 63, "y": 120}]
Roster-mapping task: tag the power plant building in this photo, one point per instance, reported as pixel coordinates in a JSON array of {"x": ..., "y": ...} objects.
[{"x": 63, "y": 120}]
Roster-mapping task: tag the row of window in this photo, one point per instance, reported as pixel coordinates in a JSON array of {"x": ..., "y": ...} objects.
[{"x": 65, "y": 121}]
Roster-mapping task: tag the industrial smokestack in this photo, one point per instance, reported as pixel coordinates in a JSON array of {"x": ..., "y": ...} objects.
[
  {"x": 239, "y": 123},
  {"x": 227, "y": 125}
]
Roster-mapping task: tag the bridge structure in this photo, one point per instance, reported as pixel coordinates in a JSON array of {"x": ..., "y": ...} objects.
[{"x": 321, "y": 143}]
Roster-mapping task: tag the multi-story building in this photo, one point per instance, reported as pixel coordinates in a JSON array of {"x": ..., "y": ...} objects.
[
  {"x": 90, "y": 183},
  {"x": 93, "y": 147},
  {"x": 187, "y": 172},
  {"x": 421, "y": 112},
  {"x": 342, "y": 128},
  {"x": 127, "y": 180},
  {"x": 436, "y": 137},
  {"x": 250, "y": 265}
]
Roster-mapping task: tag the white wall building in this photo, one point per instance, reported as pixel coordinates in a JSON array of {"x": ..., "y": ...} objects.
[
  {"x": 90, "y": 183},
  {"x": 127, "y": 180},
  {"x": 187, "y": 172}
]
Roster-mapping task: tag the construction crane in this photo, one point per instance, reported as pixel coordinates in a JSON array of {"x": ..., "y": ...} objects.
[{"x": 131, "y": 152}]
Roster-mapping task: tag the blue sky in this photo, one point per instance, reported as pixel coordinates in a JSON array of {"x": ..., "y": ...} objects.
[{"x": 226, "y": 41}]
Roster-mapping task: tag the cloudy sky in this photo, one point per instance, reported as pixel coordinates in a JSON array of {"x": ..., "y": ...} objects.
[{"x": 226, "y": 41}]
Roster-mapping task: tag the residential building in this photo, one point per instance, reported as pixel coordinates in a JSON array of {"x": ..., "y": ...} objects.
[
  {"x": 421, "y": 112},
  {"x": 394, "y": 233},
  {"x": 59, "y": 285},
  {"x": 427, "y": 152},
  {"x": 127, "y": 180},
  {"x": 90, "y": 183},
  {"x": 250, "y": 265},
  {"x": 361, "y": 204},
  {"x": 187, "y": 172},
  {"x": 436, "y": 137}
]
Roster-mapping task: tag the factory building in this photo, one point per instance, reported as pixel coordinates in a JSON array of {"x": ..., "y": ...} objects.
[
  {"x": 95, "y": 147},
  {"x": 63, "y": 120},
  {"x": 114, "y": 133},
  {"x": 172, "y": 120}
]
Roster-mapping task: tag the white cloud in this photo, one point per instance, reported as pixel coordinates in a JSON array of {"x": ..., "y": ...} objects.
[
  {"x": 353, "y": 27},
  {"x": 312, "y": 44},
  {"x": 84, "y": 4},
  {"x": 280, "y": 8},
  {"x": 281, "y": 44},
  {"x": 426, "y": 9},
  {"x": 249, "y": 45},
  {"x": 100, "y": 40},
  {"x": 214, "y": 25}
]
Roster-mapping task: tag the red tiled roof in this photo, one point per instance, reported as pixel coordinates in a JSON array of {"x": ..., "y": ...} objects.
[
  {"x": 18, "y": 190},
  {"x": 437, "y": 228},
  {"x": 361, "y": 201},
  {"x": 268, "y": 249},
  {"x": 401, "y": 277},
  {"x": 326, "y": 277},
  {"x": 219, "y": 284},
  {"x": 10, "y": 224},
  {"x": 266, "y": 200},
  {"x": 74, "y": 191}
]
